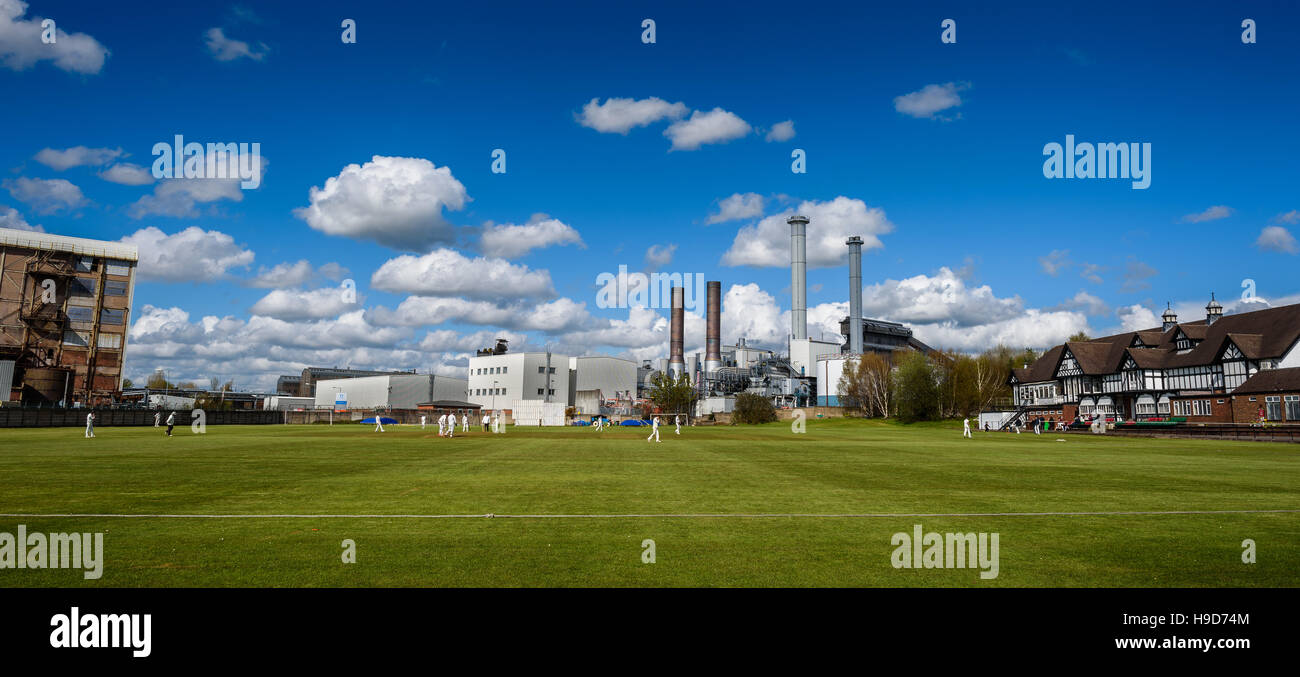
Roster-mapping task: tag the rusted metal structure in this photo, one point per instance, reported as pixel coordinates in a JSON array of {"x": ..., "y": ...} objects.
[{"x": 65, "y": 306}]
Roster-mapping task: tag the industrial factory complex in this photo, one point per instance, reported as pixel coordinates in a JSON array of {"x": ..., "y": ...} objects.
[{"x": 65, "y": 306}]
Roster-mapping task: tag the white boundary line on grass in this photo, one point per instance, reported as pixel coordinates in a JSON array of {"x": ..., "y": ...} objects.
[{"x": 665, "y": 515}]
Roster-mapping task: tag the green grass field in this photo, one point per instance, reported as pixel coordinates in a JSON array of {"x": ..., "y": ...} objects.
[{"x": 328, "y": 475}]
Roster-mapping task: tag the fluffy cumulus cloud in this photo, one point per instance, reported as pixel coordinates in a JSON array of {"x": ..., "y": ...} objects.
[
  {"x": 1036, "y": 329},
  {"x": 191, "y": 255},
  {"x": 446, "y": 272},
  {"x": 509, "y": 241},
  {"x": 450, "y": 341},
  {"x": 77, "y": 156},
  {"x": 942, "y": 297},
  {"x": 21, "y": 46},
  {"x": 715, "y": 126},
  {"x": 781, "y": 131},
  {"x": 1210, "y": 214},
  {"x": 830, "y": 224},
  {"x": 1277, "y": 239},
  {"x": 297, "y": 304},
  {"x": 46, "y": 196},
  {"x": 10, "y": 218},
  {"x": 223, "y": 48},
  {"x": 253, "y": 352},
  {"x": 1136, "y": 317},
  {"x": 931, "y": 100},
  {"x": 127, "y": 174},
  {"x": 295, "y": 274},
  {"x": 397, "y": 202},
  {"x": 180, "y": 198},
  {"x": 619, "y": 116},
  {"x": 560, "y": 315},
  {"x": 736, "y": 207}
]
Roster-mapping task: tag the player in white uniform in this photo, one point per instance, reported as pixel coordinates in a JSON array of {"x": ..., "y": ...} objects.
[
  {"x": 422, "y": 422},
  {"x": 965, "y": 427},
  {"x": 442, "y": 425},
  {"x": 157, "y": 419},
  {"x": 464, "y": 422},
  {"x": 679, "y": 424},
  {"x": 451, "y": 425},
  {"x": 379, "y": 423},
  {"x": 654, "y": 430},
  {"x": 90, "y": 424}
]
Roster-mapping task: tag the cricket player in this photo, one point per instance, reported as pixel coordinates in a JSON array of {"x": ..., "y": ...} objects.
[
  {"x": 442, "y": 425},
  {"x": 451, "y": 425},
  {"x": 464, "y": 422},
  {"x": 157, "y": 419},
  {"x": 654, "y": 430},
  {"x": 379, "y": 423},
  {"x": 171, "y": 421},
  {"x": 90, "y": 424},
  {"x": 679, "y": 424},
  {"x": 965, "y": 427},
  {"x": 422, "y": 417},
  {"x": 498, "y": 423}
]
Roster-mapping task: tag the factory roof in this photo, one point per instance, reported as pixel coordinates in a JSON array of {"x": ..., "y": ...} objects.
[{"x": 76, "y": 245}]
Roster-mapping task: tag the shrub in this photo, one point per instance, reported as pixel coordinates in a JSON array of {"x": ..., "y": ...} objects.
[{"x": 751, "y": 408}]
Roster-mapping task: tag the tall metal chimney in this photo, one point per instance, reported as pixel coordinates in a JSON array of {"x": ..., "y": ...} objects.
[
  {"x": 798, "y": 277},
  {"x": 676, "y": 361},
  {"x": 713, "y": 327},
  {"x": 855, "y": 294}
]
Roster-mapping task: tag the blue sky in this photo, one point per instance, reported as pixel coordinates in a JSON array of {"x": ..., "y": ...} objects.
[{"x": 975, "y": 245}]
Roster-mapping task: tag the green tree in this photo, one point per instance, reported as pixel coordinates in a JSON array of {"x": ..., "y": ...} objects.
[
  {"x": 126, "y": 383},
  {"x": 752, "y": 408},
  {"x": 1079, "y": 337},
  {"x": 672, "y": 395},
  {"x": 916, "y": 388}
]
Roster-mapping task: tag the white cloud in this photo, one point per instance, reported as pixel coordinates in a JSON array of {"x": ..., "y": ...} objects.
[
  {"x": 930, "y": 99},
  {"x": 77, "y": 156},
  {"x": 10, "y": 218},
  {"x": 1085, "y": 302},
  {"x": 1210, "y": 214},
  {"x": 619, "y": 116},
  {"x": 46, "y": 196},
  {"x": 510, "y": 241},
  {"x": 1092, "y": 272},
  {"x": 942, "y": 297},
  {"x": 446, "y": 272},
  {"x": 1291, "y": 217},
  {"x": 738, "y": 206},
  {"x": 1136, "y": 318},
  {"x": 1056, "y": 261},
  {"x": 750, "y": 313},
  {"x": 394, "y": 201},
  {"x": 295, "y": 304},
  {"x": 283, "y": 275},
  {"x": 715, "y": 126},
  {"x": 1036, "y": 329},
  {"x": 127, "y": 174},
  {"x": 658, "y": 256},
  {"x": 1136, "y": 274},
  {"x": 831, "y": 223},
  {"x": 781, "y": 131},
  {"x": 562, "y": 314},
  {"x": 180, "y": 198},
  {"x": 1277, "y": 239},
  {"x": 21, "y": 45},
  {"x": 333, "y": 271},
  {"x": 191, "y": 255},
  {"x": 227, "y": 49},
  {"x": 450, "y": 341}
]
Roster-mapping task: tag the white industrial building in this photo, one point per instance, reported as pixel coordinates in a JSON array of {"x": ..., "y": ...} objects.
[
  {"x": 804, "y": 354},
  {"x": 539, "y": 386},
  {"x": 393, "y": 391}
]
